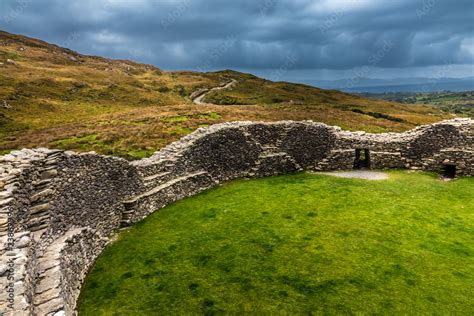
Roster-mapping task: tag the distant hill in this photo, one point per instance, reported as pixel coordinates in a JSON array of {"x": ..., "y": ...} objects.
[
  {"x": 460, "y": 103},
  {"x": 398, "y": 85},
  {"x": 55, "y": 97}
]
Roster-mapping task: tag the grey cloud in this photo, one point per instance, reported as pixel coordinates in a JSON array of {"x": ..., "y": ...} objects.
[{"x": 183, "y": 34}]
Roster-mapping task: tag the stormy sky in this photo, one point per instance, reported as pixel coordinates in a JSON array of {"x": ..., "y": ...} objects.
[{"x": 280, "y": 39}]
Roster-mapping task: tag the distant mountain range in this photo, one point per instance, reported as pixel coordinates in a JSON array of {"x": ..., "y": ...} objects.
[{"x": 396, "y": 85}]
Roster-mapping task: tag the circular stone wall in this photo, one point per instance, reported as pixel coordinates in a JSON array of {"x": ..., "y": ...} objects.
[{"x": 59, "y": 209}]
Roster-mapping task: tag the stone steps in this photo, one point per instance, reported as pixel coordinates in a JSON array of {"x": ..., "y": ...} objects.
[
  {"x": 156, "y": 179},
  {"x": 39, "y": 210},
  {"x": 48, "y": 299},
  {"x": 272, "y": 155},
  {"x": 163, "y": 194},
  {"x": 167, "y": 185},
  {"x": 160, "y": 166},
  {"x": 273, "y": 163}
]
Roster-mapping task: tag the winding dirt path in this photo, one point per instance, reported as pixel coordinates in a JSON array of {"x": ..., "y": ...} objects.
[{"x": 200, "y": 95}]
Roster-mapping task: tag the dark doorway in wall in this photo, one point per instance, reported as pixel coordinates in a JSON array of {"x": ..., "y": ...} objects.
[
  {"x": 450, "y": 171},
  {"x": 362, "y": 159}
]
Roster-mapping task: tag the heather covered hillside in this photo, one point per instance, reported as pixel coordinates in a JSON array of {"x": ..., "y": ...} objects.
[{"x": 52, "y": 96}]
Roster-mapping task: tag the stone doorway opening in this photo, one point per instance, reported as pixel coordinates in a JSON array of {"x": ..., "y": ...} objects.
[
  {"x": 449, "y": 171},
  {"x": 362, "y": 159}
]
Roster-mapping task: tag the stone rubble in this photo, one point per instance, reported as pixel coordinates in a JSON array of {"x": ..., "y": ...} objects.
[{"x": 58, "y": 210}]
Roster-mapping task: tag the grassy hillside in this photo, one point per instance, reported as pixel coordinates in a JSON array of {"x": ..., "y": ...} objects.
[{"x": 55, "y": 97}]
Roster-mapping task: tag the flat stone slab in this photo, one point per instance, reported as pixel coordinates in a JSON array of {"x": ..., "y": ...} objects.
[{"x": 359, "y": 174}]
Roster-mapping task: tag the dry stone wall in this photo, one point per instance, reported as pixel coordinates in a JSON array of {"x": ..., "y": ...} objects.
[{"x": 59, "y": 209}]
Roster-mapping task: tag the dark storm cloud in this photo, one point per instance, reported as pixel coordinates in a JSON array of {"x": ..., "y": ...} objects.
[{"x": 245, "y": 34}]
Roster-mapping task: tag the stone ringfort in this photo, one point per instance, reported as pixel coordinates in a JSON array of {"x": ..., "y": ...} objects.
[{"x": 58, "y": 209}]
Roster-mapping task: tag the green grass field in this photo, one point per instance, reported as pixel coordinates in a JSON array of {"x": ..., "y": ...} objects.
[{"x": 297, "y": 244}]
